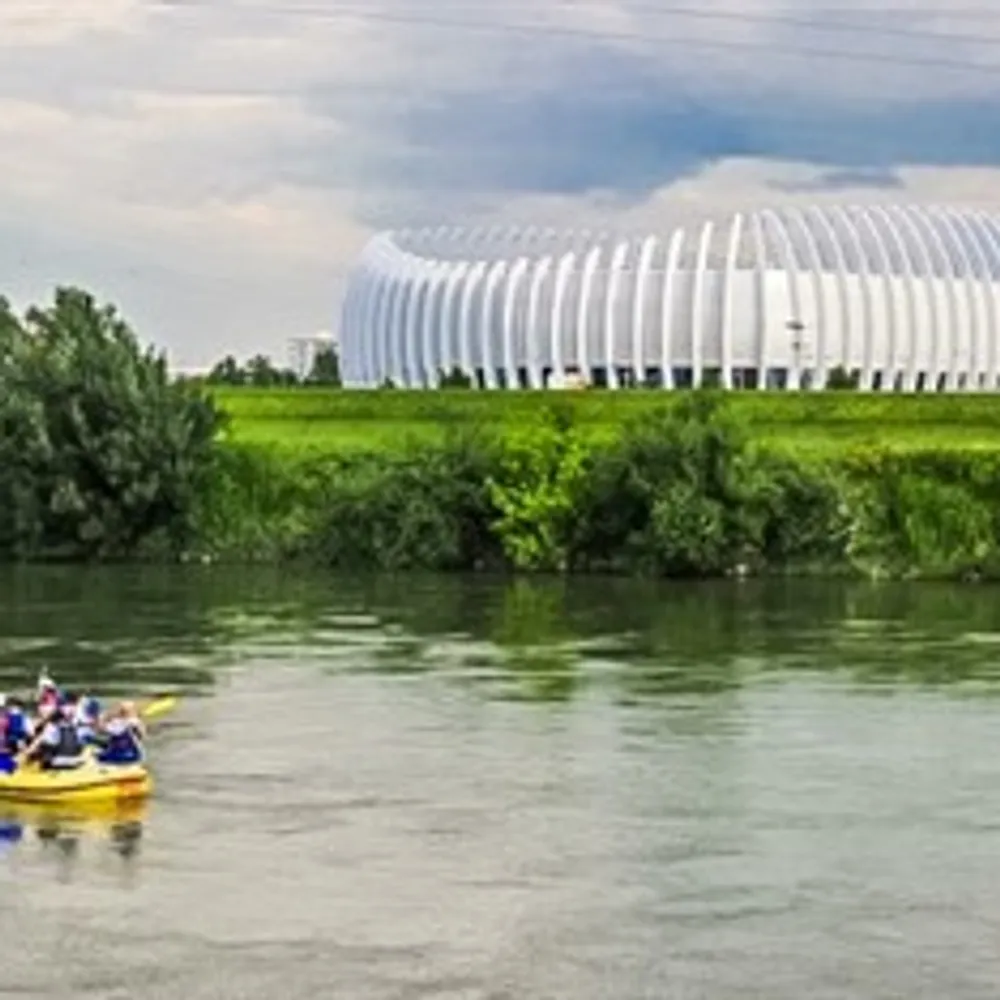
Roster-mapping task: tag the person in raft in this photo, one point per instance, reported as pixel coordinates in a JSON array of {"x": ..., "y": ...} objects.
[
  {"x": 56, "y": 745},
  {"x": 15, "y": 732},
  {"x": 65, "y": 726},
  {"x": 48, "y": 694},
  {"x": 121, "y": 735}
]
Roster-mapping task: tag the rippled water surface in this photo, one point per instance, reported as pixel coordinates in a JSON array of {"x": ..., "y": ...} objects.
[{"x": 426, "y": 788}]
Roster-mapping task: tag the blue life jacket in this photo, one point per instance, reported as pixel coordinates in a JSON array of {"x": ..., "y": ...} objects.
[
  {"x": 122, "y": 747},
  {"x": 13, "y": 730}
]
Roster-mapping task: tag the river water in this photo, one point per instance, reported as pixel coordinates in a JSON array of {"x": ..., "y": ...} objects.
[{"x": 448, "y": 788}]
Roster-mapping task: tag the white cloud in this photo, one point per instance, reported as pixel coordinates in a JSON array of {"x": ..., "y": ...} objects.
[{"x": 215, "y": 165}]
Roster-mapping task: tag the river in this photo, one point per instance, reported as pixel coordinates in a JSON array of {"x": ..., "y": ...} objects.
[{"x": 451, "y": 788}]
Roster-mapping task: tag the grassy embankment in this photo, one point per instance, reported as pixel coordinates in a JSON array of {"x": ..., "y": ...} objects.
[
  {"x": 805, "y": 425},
  {"x": 630, "y": 482}
]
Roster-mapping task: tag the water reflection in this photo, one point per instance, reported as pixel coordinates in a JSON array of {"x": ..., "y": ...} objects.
[
  {"x": 127, "y": 630},
  {"x": 548, "y": 640},
  {"x": 61, "y": 831},
  {"x": 681, "y": 802}
]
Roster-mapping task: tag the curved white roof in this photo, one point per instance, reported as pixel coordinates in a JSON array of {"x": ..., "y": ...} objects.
[
  {"x": 898, "y": 239},
  {"x": 906, "y": 296}
]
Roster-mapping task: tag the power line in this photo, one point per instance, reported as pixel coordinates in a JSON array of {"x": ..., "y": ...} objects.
[
  {"x": 843, "y": 24},
  {"x": 967, "y": 13},
  {"x": 341, "y": 11}
]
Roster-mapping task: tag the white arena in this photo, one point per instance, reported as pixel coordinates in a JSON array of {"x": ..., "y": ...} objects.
[{"x": 901, "y": 298}]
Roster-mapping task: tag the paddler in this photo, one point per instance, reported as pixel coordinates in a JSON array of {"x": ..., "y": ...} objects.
[
  {"x": 57, "y": 745},
  {"x": 7, "y": 763},
  {"x": 15, "y": 732},
  {"x": 122, "y": 736},
  {"x": 47, "y": 694},
  {"x": 87, "y": 716},
  {"x": 15, "y": 727}
]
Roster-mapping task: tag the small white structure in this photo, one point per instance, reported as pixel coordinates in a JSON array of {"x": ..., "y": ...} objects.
[
  {"x": 902, "y": 297},
  {"x": 302, "y": 350}
]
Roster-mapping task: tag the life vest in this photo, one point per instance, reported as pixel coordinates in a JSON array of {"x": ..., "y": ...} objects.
[
  {"x": 87, "y": 711},
  {"x": 122, "y": 743},
  {"x": 62, "y": 747},
  {"x": 13, "y": 730}
]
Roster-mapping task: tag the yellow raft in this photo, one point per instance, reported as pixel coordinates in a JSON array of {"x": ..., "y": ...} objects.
[{"x": 91, "y": 783}]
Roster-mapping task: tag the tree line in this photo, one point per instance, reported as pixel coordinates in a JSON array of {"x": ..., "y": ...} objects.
[
  {"x": 260, "y": 371},
  {"x": 105, "y": 456}
]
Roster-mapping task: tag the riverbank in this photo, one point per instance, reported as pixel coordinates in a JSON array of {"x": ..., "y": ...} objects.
[
  {"x": 707, "y": 485},
  {"x": 822, "y": 424}
]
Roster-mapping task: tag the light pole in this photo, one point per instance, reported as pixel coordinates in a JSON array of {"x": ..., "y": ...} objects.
[{"x": 796, "y": 327}]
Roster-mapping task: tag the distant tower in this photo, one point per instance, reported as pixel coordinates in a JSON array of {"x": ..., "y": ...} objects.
[{"x": 302, "y": 351}]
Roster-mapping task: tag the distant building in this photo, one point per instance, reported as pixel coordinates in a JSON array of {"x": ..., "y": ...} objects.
[
  {"x": 903, "y": 298},
  {"x": 302, "y": 350}
]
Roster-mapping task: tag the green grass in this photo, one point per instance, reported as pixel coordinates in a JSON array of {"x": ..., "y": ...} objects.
[
  {"x": 331, "y": 435},
  {"x": 818, "y": 424}
]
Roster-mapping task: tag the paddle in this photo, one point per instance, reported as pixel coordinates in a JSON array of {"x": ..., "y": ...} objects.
[{"x": 157, "y": 707}]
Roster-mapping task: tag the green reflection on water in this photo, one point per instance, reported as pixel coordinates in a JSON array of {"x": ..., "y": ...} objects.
[{"x": 545, "y": 640}]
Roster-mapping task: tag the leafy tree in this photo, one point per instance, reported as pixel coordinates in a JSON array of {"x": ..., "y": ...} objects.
[
  {"x": 425, "y": 510},
  {"x": 259, "y": 371},
  {"x": 100, "y": 451},
  {"x": 325, "y": 368},
  {"x": 676, "y": 494},
  {"x": 536, "y": 490},
  {"x": 263, "y": 374},
  {"x": 454, "y": 379},
  {"x": 839, "y": 378},
  {"x": 227, "y": 372}
]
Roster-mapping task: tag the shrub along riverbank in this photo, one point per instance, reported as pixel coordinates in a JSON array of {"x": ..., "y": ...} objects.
[
  {"x": 103, "y": 456},
  {"x": 675, "y": 489}
]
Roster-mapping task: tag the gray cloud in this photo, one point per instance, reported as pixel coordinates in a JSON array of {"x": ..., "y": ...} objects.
[
  {"x": 843, "y": 180},
  {"x": 185, "y": 155}
]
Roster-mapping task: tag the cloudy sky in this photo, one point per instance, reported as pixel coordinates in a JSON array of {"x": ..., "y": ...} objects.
[{"x": 214, "y": 166}]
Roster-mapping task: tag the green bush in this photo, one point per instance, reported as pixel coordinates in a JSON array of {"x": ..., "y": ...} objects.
[
  {"x": 681, "y": 489},
  {"x": 102, "y": 455},
  {"x": 932, "y": 513},
  {"x": 536, "y": 491},
  {"x": 428, "y": 509}
]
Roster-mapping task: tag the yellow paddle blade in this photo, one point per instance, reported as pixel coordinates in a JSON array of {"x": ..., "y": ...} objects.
[{"x": 158, "y": 707}]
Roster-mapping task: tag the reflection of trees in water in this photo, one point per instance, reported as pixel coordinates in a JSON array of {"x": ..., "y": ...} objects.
[
  {"x": 532, "y": 628},
  {"x": 114, "y": 627},
  {"x": 126, "y": 629},
  {"x": 670, "y": 637}
]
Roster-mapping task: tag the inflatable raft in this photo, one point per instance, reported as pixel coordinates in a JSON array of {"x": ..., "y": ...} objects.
[{"x": 91, "y": 783}]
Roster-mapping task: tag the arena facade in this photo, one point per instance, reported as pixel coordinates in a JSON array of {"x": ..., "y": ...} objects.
[{"x": 902, "y": 298}]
